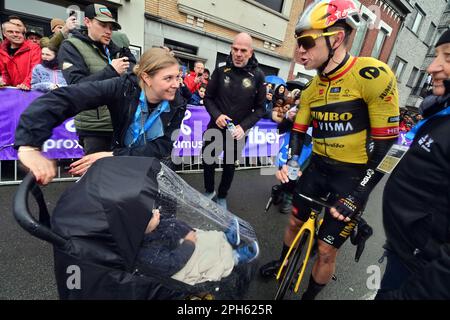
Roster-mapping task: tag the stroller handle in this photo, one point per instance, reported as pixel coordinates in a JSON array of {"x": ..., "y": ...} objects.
[{"x": 40, "y": 229}]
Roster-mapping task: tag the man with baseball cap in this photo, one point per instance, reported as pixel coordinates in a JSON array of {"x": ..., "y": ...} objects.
[
  {"x": 33, "y": 35},
  {"x": 101, "y": 13},
  {"x": 91, "y": 56}
]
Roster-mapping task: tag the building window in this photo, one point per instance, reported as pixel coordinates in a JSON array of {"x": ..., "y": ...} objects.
[
  {"x": 421, "y": 85},
  {"x": 382, "y": 34},
  {"x": 276, "y": 5},
  {"x": 439, "y": 33},
  {"x": 419, "y": 15},
  {"x": 180, "y": 47},
  {"x": 430, "y": 34},
  {"x": 360, "y": 36},
  {"x": 412, "y": 77},
  {"x": 399, "y": 68},
  {"x": 45, "y": 9}
]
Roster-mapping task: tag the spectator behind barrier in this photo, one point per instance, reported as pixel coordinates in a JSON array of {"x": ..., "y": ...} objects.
[
  {"x": 18, "y": 22},
  {"x": 278, "y": 110},
  {"x": 33, "y": 35},
  {"x": 46, "y": 75},
  {"x": 206, "y": 75},
  {"x": 269, "y": 105},
  {"x": 181, "y": 75},
  {"x": 198, "y": 96},
  {"x": 280, "y": 92},
  {"x": 91, "y": 56},
  {"x": 17, "y": 57},
  {"x": 61, "y": 30},
  {"x": 120, "y": 39},
  {"x": 195, "y": 79}
]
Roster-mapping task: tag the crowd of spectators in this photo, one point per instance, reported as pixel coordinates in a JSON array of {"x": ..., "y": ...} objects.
[{"x": 408, "y": 120}]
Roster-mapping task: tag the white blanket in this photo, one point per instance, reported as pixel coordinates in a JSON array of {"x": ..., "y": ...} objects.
[{"x": 212, "y": 259}]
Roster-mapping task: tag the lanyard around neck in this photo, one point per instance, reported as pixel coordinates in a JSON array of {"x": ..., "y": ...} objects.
[
  {"x": 141, "y": 111},
  {"x": 108, "y": 54}
]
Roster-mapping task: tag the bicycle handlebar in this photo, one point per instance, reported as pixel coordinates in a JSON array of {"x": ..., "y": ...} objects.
[{"x": 364, "y": 230}]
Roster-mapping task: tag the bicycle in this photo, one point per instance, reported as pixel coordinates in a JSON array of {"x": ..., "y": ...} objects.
[{"x": 307, "y": 235}]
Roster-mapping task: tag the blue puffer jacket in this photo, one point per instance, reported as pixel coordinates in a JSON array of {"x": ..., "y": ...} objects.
[
  {"x": 161, "y": 250},
  {"x": 43, "y": 78}
]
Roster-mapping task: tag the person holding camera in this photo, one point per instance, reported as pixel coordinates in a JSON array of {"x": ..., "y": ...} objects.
[
  {"x": 92, "y": 56},
  {"x": 194, "y": 80},
  {"x": 61, "y": 30}
]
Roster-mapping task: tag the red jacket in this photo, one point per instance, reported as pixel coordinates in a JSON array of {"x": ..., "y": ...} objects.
[
  {"x": 18, "y": 68},
  {"x": 189, "y": 81}
]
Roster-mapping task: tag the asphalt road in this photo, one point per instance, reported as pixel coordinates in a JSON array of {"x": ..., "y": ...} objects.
[{"x": 26, "y": 263}]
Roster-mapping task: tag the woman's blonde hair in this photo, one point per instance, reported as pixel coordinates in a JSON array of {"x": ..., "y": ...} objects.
[{"x": 152, "y": 61}]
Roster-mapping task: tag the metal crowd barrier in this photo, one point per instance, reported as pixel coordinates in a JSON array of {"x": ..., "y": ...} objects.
[{"x": 11, "y": 171}]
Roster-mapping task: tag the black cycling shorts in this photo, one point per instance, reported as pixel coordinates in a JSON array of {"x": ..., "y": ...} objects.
[{"x": 326, "y": 178}]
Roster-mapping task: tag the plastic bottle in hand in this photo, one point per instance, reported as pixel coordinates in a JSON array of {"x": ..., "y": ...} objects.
[
  {"x": 231, "y": 127},
  {"x": 293, "y": 168}
]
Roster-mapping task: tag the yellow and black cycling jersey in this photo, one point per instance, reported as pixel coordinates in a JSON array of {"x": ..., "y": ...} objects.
[{"x": 354, "y": 104}]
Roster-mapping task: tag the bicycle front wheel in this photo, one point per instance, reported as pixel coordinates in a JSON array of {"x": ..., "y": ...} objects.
[{"x": 292, "y": 269}]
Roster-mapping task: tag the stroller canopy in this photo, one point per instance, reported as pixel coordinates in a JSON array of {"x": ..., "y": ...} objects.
[{"x": 110, "y": 206}]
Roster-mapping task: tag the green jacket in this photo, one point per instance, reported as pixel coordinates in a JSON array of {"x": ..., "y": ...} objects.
[
  {"x": 98, "y": 119},
  {"x": 53, "y": 41}
]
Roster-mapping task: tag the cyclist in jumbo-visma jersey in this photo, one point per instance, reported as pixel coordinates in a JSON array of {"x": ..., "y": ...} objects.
[{"x": 352, "y": 105}]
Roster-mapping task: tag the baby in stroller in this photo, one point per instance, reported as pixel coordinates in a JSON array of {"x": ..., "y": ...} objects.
[
  {"x": 172, "y": 248},
  {"x": 107, "y": 241}
]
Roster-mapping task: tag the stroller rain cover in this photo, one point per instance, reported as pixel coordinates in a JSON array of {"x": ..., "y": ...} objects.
[{"x": 104, "y": 216}]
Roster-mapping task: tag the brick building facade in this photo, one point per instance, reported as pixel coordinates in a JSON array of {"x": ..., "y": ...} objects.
[
  {"x": 380, "y": 25},
  {"x": 204, "y": 29}
]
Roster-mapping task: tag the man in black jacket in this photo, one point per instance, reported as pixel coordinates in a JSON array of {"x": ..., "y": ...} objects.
[
  {"x": 92, "y": 56},
  {"x": 416, "y": 200},
  {"x": 236, "y": 94}
]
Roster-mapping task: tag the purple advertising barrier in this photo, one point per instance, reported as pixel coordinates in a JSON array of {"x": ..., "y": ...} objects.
[
  {"x": 61, "y": 145},
  {"x": 263, "y": 139}
]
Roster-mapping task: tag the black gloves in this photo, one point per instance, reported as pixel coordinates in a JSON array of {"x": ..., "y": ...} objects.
[{"x": 348, "y": 206}]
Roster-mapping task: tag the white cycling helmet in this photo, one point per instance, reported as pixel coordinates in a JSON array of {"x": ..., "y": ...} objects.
[{"x": 322, "y": 14}]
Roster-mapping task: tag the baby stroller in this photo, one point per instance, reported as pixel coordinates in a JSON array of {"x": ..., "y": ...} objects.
[{"x": 98, "y": 225}]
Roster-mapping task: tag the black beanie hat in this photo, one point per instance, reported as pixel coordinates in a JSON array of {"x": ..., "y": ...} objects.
[{"x": 445, "y": 38}]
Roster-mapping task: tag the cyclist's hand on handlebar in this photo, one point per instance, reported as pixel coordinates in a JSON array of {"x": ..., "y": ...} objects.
[
  {"x": 344, "y": 209},
  {"x": 282, "y": 174},
  {"x": 43, "y": 169}
]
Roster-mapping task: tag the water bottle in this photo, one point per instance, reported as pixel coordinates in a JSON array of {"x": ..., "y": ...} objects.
[
  {"x": 231, "y": 127},
  {"x": 293, "y": 168}
]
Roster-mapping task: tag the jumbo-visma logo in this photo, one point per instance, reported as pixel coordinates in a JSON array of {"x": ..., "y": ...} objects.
[
  {"x": 332, "y": 121},
  {"x": 331, "y": 116}
]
